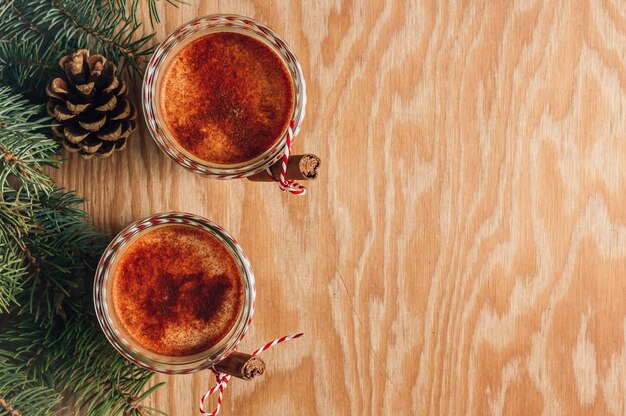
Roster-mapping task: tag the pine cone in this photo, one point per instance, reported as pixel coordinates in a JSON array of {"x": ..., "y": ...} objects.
[{"x": 89, "y": 103}]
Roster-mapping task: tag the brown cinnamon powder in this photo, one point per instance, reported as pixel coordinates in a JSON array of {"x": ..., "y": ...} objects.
[
  {"x": 177, "y": 290},
  {"x": 227, "y": 98}
]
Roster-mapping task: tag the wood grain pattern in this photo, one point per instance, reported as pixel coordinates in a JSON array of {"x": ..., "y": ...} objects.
[{"x": 463, "y": 251}]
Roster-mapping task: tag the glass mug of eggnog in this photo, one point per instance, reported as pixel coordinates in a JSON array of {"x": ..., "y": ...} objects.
[
  {"x": 221, "y": 94},
  {"x": 174, "y": 293}
]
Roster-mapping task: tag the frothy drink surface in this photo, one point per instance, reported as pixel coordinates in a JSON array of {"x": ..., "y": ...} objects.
[
  {"x": 227, "y": 98},
  {"x": 177, "y": 290}
]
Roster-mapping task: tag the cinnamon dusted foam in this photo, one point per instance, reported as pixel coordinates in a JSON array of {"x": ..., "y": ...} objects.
[
  {"x": 227, "y": 98},
  {"x": 177, "y": 291}
]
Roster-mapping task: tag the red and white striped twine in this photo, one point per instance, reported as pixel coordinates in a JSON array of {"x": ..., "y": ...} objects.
[
  {"x": 222, "y": 379},
  {"x": 287, "y": 185}
]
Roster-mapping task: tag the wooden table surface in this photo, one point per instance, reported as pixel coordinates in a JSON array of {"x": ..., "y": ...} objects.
[{"x": 463, "y": 251}]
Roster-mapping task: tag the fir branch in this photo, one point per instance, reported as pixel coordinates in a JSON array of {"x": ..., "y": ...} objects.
[
  {"x": 59, "y": 248},
  {"x": 152, "y": 8},
  {"x": 33, "y": 63},
  {"x": 31, "y": 25},
  {"x": 20, "y": 394},
  {"x": 93, "y": 32},
  {"x": 26, "y": 66},
  {"x": 76, "y": 358},
  {"x": 12, "y": 270},
  {"x": 89, "y": 24},
  {"x": 24, "y": 149}
]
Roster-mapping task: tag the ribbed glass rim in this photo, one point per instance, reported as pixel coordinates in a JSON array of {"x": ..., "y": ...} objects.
[
  {"x": 171, "y": 46},
  {"x": 124, "y": 343}
]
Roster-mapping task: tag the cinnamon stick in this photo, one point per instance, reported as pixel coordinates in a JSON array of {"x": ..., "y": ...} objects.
[
  {"x": 299, "y": 168},
  {"x": 241, "y": 365}
]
